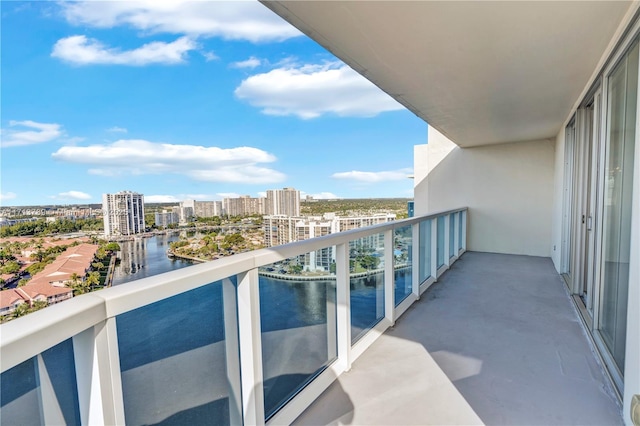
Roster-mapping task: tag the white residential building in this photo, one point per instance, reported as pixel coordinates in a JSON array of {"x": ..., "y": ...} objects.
[
  {"x": 123, "y": 213},
  {"x": 284, "y": 201},
  {"x": 166, "y": 218},
  {"x": 281, "y": 229}
]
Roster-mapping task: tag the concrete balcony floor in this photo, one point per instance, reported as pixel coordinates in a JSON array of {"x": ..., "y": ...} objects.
[{"x": 496, "y": 341}]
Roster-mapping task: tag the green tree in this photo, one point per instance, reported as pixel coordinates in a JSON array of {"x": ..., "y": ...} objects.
[
  {"x": 113, "y": 246},
  {"x": 93, "y": 279},
  {"x": 5, "y": 256},
  {"x": 11, "y": 267}
]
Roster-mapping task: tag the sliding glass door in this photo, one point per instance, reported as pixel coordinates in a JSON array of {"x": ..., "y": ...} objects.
[{"x": 618, "y": 183}]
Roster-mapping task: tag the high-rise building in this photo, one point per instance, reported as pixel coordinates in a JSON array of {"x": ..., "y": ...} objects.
[
  {"x": 281, "y": 229},
  {"x": 284, "y": 201},
  {"x": 208, "y": 208},
  {"x": 186, "y": 211},
  {"x": 166, "y": 218},
  {"x": 123, "y": 213},
  {"x": 243, "y": 206}
]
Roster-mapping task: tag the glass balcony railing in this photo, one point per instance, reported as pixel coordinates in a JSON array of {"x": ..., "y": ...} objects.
[{"x": 253, "y": 338}]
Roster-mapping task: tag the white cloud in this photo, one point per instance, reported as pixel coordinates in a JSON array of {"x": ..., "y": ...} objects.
[
  {"x": 31, "y": 133},
  {"x": 161, "y": 199},
  {"x": 373, "y": 177},
  {"x": 209, "y": 56},
  {"x": 75, "y": 195},
  {"x": 252, "y": 62},
  {"x": 310, "y": 91},
  {"x": 320, "y": 195},
  {"x": 262, "y": 194},
  {"x": 116, "y": 129},
  {"x": 7, "y": 196},
  {"x": 81, "y": 50},
  {"x": 231, "y": 20},
  {"x": 138, "y": 157}
]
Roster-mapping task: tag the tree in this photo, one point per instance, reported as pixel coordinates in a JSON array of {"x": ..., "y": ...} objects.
[
  {"x": 98, "y": 266},
  {"x": 78, "y": 285},
  {"x": 295, "y": 269},
  {"x": 23, "y": 282},
  {"x": 113, "y": 246},
  {"x": 5, "y": 256},
  {"x": 93, "y": 279},
  {"x": 38, "y": 255},
  {"x": 11, "y": 267}
]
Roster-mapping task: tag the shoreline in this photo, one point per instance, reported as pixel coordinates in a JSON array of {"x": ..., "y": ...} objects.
[{"x": 290, "y": 277}]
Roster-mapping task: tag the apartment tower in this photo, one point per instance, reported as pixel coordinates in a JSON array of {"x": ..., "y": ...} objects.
[{"x": 123, "y": 213}]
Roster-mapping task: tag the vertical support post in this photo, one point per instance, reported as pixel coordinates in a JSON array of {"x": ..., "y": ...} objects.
[
  {"x": 250, "y": 339},
  {"x": 389, "y": 277},
  {"x": 230, "y": 308},
  {"x": 98, "y": 374},
  {"x": 434, "y": 248},
  {"x": 447, "y": 240},
  {"x": 343, "y": 301},
  {"x": 456, "y": 233},
  {"x": 464, "y": 229},
  {"x": 332, "y": 330},
  {"x": 51, "y": 411},
  {"x": 415, "y": 259}
]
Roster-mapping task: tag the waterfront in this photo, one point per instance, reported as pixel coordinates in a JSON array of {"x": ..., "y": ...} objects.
[{"x": 144, "y": 257}]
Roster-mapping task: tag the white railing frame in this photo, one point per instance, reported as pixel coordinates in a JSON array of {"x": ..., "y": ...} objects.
[{"x": 90, "y": 321}]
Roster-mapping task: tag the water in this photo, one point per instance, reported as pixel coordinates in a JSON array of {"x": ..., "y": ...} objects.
[{"x": 145, "y": 257}]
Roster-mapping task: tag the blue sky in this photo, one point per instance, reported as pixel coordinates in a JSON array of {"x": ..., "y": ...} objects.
[{"x": 187, "y": 100}]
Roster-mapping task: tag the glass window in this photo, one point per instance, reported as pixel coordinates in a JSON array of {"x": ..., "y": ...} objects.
[{"x": 618, "y": 185}]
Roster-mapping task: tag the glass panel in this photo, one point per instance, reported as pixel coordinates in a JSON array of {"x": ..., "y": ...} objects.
[
  {"x": 173, "y": 360},
  {"x": 452, "y": 234},
  {"x": 461, "y": 217},
  {"x": 623, "y": 84},
  {"x": 23, "y": 387},
  {"x": 425, "y": 250},
  {"x": 298, "y": 315},
  {"x": 440, "y": 247},
  {"x": 366, "y": 264},
  {"x": 402, "y": 256}
]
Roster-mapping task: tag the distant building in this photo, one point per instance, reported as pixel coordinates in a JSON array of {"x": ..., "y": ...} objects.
[
  {"x": 186, "y": 211},
  {"x": 281, "y": 229},
  {"x": 208, "y": 208},
  {"x": 243, "y": 206},
  {"x": 166, "y": 218},
  {"x": 123, "y": 213},
  {"x": 284, "y": 201}
]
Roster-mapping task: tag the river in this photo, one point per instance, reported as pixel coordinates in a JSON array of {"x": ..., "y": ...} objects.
[{"x": 144, "y": 257}]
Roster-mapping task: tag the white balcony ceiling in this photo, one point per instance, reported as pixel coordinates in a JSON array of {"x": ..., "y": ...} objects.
[{"x": 480, "y": 72}]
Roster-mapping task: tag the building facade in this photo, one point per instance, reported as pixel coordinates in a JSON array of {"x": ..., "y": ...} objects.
[
  {"x": 207, "y": 208},
  {"x": 123, "y": 213},
  {"x": 243, "y": 206},
  {"x": 284, "y": 201},
  {"x": 282, "y": 229},
  {"x": 166, "y": 218}
]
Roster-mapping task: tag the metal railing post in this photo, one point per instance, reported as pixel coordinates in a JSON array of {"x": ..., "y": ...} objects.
[
  {"x": 343, "y": 308},
  {"x": 250, "y": 343}
]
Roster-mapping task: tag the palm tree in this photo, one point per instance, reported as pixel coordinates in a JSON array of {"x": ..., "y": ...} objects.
[{"x": 93, "y": 279}]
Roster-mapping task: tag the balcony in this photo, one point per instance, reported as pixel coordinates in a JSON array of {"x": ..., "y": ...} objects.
[{"x": 495, "y": 339}]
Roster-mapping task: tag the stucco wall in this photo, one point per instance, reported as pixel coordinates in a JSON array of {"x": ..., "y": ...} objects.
[{"x": 508, "y": 188}]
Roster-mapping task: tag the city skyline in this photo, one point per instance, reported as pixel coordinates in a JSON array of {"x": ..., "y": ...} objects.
[{"x": 198, "y": 100}]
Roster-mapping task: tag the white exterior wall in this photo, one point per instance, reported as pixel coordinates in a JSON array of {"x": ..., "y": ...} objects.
[{"x": 508, "y": 189}]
